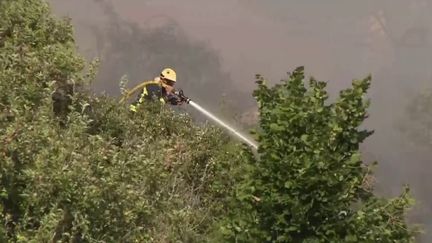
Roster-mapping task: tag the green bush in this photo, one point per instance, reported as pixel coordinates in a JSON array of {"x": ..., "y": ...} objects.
[
  {"x": 80, "y": 168},
  {"x": 308, "y": 183},
  {"x": 75, "y": 167}
]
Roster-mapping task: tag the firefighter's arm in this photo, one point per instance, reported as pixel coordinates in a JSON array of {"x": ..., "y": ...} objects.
[
  {"x": 178, "y": 98},
  {"x": 174, "y": 100}
]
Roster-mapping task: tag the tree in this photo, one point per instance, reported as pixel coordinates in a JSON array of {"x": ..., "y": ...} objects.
[
  {"x": 75, "y": 167},
  {"x": 308, "y": 183}
]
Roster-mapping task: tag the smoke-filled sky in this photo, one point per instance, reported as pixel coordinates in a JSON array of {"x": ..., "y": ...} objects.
[{"x": 218, "y": 47}]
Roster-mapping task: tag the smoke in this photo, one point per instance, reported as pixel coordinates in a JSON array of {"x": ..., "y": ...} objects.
[
  {"x": 141, "y": 51},
  {"x": 218, "y": 46}
]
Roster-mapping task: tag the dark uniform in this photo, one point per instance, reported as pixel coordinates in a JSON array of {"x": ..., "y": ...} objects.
[{"x": 153, "y": 91}]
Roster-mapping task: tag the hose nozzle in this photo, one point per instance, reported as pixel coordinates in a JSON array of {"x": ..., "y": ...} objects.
[{"x": 179, "y": 93}]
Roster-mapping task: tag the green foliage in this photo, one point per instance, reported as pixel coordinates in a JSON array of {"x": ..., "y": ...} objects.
[
  {"x": 79, "y": 168},
  {"x": 308, "y": 183}
]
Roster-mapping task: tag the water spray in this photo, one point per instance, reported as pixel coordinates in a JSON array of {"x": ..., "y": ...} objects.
[
  {"x": 214, "y": 118},
  {"x": 185, "y": 99}
]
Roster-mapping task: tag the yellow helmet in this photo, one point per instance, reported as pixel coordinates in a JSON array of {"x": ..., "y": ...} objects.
[{"x": 169, "y": 74}]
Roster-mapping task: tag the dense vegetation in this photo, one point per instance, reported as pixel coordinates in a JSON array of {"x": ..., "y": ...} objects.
[
  {"x": 309, "y": 183},
  {"x": 76, "y": 167}
]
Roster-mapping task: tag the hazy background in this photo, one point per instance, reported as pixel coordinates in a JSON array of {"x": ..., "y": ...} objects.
[{"x": 217, "y": 47}]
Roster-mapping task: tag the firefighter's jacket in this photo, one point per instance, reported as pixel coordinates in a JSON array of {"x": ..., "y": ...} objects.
[{"x": 153, "y": 91}]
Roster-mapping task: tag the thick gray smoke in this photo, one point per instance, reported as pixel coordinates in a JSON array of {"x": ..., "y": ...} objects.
[{"x": 218, "y": 47}]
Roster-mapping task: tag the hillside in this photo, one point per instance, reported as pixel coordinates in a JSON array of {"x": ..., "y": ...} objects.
[{"x": 76, "y": 167}]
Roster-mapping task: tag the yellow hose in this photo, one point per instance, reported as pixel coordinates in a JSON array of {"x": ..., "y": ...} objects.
[{"x": 140, "y": 86}]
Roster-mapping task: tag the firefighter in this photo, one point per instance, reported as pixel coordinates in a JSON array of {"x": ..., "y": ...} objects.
[{"x": 160, "y": 89}]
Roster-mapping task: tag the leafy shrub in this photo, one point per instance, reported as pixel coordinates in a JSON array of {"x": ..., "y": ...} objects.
[
  {"x": 309, "y": 183},
  {"x": 80, "y": 168}
]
